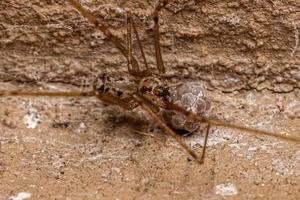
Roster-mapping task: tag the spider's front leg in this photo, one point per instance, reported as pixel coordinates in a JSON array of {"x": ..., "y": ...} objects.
[
  {"x": 105, "y": 30},
  {"x": 159, "y": 61},
  {"x": 105, "y": 92},
  {"x": 152, "y": 110},
  {"x": 217, "y": 122}
]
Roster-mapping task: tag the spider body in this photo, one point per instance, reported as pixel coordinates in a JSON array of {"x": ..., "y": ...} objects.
[{"x": 190, "y": 96}]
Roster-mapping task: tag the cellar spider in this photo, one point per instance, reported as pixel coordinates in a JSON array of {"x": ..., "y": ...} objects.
[{"x": 148, "y": 89}]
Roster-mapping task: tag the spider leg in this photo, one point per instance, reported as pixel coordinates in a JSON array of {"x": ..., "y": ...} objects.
[
  {"x": 140, "y": 45},
  {"x": 130, "y": 25},
  {"x": 150, "y": 109},
  {"x": 104, "y": 29},
  {"x": 253, "y": 130},
  {"x": 49, "y": 94},
  {"x": 217, "y": 122},
  {"x": 159, "y": 60},
  {"x": 129, "y": 42},
  {"x": 126, "y": 103},
  {"x": 205, "y": 143}
]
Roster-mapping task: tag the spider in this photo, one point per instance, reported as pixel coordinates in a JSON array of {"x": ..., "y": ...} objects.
[{"x": 148, "y": 89}]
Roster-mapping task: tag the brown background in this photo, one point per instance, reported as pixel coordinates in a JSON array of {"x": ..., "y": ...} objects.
[{"x": 246, "y": 53}]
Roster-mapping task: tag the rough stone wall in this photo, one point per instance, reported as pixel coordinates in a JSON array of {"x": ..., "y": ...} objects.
[
  {"x": 246, "y": 51},
  {"x": 232, "y": 45}
]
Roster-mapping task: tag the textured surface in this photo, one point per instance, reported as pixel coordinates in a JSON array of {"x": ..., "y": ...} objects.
[{"x": 246, "y": 53}]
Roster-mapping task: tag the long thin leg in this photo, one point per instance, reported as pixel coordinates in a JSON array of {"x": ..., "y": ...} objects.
[
  {"x": 228, "y": 125},
  {"x": 140, "y": 45},
  {"x": 130, "y": 25},
  {"x": 150, "y": 110},
  {"x": 104, "y": 29},
  {"x": 126, "y": 103},
  {"x": 49, "y": 94},
  {"x": 159, "y": 60},
  {"x": 129, "y": 41},
  {"x": 205, "y": 143}
]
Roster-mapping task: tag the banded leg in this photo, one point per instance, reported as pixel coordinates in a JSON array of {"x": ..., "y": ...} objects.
[
  {"x": 104, "y": 29},
  {"x": 159, "y": 60}
]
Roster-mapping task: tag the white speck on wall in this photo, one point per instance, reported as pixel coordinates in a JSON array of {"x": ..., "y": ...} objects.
[
  {"x": 296, "y": 38},
  {"x": 81, "y": 127},
  {"x": 120, "y": 10},
  {"x": 226, "y": 189},
  {"x": 287, "y": 168},
  {"x": 251, "y": 152},
  {"x": 32, "y": 119},
  {"x": 21, "y": 196},
  {"x": 232, "y": 19},
  {"x": 250, "y": 100}
]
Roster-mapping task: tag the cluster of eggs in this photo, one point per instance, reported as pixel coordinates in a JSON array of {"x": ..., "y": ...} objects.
[{"x": 191, "y": 97}]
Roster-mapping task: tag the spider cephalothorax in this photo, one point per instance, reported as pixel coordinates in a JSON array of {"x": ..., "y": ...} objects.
[{"x": 155, "y": 90}]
